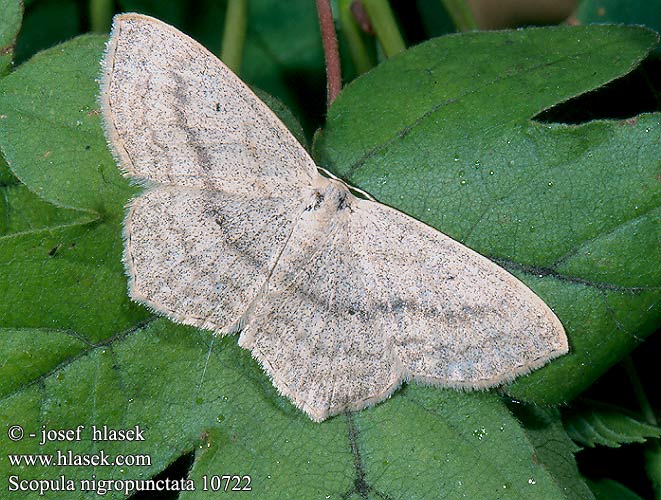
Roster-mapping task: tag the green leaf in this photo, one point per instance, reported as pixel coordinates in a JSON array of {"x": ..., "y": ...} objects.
[
  {"x": 68, "y": 260},
  {"x": 190, "y": 390},
  {"x": 444, "y": 132},
  {"x": 607, "y": 489},
  {"x": 73, "y": 271},
  {"x": 86, "y": 356},
  {"x": 642, "y": 12},
  {"x": 31, "y": 110},
  {"x": 553, "y": 448},
  {"x": 28, "y": 354},
  {"x": 23, "y": 212},
  {"x": 605, "y": 425},
  {"x": 10, "y": 23}
]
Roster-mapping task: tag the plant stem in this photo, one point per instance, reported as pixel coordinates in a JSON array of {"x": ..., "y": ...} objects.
[
  {"x": 100, "y": 15},
  {"x": 234, "y": 34},
  {"x": 385, "y": 26},
  {"x": 351, "y": 31},
  {"x": 331, "y": 52},
  {"x": 461, "y": 14}
]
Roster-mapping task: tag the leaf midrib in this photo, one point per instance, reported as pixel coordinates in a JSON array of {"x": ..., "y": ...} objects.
[
  {"x": 543, "y": 272},
  {"x": 48, "y": 229},
  {"x": 92, "y": 346}
]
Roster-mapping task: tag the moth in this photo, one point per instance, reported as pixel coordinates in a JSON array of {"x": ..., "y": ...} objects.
[{"x": 339, "y": 298}]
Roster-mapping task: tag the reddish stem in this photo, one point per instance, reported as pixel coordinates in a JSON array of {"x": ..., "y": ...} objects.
[{"x": 331, "y": 53}]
